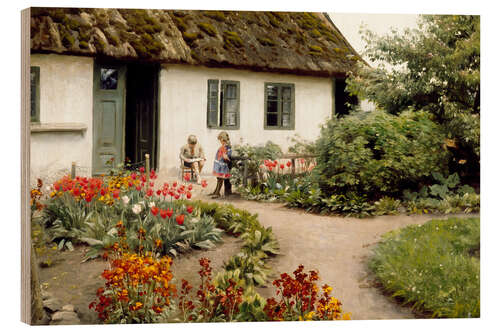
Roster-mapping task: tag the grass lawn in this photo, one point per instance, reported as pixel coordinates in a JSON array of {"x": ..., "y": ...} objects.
[{"x": 434, "y": 266}]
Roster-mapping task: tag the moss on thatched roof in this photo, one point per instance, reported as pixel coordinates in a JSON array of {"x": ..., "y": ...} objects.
[{"x": 291, "y": 42}]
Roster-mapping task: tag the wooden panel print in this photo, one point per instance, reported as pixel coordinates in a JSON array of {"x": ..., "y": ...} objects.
[{"x": 221, "y": 166}]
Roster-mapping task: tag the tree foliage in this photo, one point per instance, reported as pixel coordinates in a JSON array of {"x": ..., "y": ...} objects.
[{"x": 435, "y": 68}]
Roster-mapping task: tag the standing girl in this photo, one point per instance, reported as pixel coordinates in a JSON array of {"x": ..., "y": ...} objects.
[{"x": 222, "y": 165}]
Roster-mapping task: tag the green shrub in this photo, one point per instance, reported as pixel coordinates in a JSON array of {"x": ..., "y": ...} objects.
[
  {"x": 434, "y": 267},
  {"x": 378, "y": 154}
]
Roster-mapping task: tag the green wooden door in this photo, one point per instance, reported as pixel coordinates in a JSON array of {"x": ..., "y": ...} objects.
[{"x": 108, "y": 124}]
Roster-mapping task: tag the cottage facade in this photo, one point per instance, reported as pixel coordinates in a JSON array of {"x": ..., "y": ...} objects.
[{"x": 103, "y": 91}]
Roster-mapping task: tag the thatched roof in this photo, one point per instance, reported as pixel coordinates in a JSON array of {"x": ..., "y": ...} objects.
[{"x": 291, "y": 42}]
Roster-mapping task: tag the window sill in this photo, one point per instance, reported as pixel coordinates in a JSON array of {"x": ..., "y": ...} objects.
[
  {"x": 279, "y": 128},
  {"x": 58, "y": 127},
  {"x": 227, "y": 128}
]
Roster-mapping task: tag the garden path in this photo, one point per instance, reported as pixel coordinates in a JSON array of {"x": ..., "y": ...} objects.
[{"x": 338, "y": 247}]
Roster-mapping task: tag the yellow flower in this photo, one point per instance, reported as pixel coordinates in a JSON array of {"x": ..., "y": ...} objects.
[
  {"x": 327, "y": 289},
  {"x": 346, "y": 316},
  {"x": 309, "y": 316}
]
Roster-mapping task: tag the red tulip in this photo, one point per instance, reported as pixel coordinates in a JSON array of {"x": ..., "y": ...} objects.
[
  {"x": 130, "y": 184},
  {"x": 288, "y": 163},
  {"x": 189, "y": 209},
  {"x": 179, "y": 219},
  {"x": 282, "y": 166},
  {"x": 187, "y": 177},
  {"x": 155, "y": 210},
  {"x": 149, "y": 192},
  {"x": 203, "y": 183},
  {"x": 177, "y": 196},
  {"x": 141, "y": 169},
  {"x": 57, "y": 186},
  {"x": 88, "y": 197},
  {"x": 163, "y": 213},
  {"x": 143, "y": 178},
  {"x": 116, "y": 194},
  {"x": 138, "y": 188},
  {"x": 190, "y": 187},
  {"x": 76, "y": 191},
  {"x": 165, "y": 192},
  {"x": 152, "y": 184},
  {"x": 174, "y": 184},
  {"x": 133, "y": 176},
  {"x": 170, "y": 212},
  {"x": 158, "y": 192},
  {"x": 103, "y": 191},
  {"x": 188, "y": 195}
]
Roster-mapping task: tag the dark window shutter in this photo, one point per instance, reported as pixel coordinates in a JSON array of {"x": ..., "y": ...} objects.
[
  {"x": 35, "y": 93},
  {"x": 212, "y": 102}
]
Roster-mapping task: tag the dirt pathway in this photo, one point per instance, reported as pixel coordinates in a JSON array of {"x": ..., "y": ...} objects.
[{"x": 338, "y": 248}]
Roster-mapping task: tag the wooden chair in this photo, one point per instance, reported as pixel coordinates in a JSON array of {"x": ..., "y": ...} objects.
[{"x": 184, "y": 169}]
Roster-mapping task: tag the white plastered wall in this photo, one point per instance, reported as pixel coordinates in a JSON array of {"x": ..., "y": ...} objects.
[
  {"x": 66, "y": 85},
  {"x": 183, "y": 105}
]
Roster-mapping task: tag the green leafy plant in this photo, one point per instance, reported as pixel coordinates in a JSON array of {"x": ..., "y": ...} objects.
[
  {"x": 376, "y": 154},
  {"x": 434, "y": 266}
]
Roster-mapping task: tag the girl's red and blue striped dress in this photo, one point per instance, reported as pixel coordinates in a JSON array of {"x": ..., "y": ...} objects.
[{"x": 221, "y": 167}]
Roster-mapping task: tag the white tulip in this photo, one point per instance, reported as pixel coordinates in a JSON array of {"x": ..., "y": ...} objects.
[{"x": 137, "y": 209}]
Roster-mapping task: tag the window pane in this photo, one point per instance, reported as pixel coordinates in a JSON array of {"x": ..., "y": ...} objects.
[
  {"x": 272, "y": 106},
  {"x": 285, "y": 120},
  {"x": 272, "y": 92},
  {"x": 287, "y": 107},
  {"x": 109, "y": 78},
  {"x": 272, "y": 119},
  {"x": 230, "y": 118},
  {"x": 287, "y": 93}
]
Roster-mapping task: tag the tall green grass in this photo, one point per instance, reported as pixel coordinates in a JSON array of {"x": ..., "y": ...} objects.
[{"x": 434, "y": 266}]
